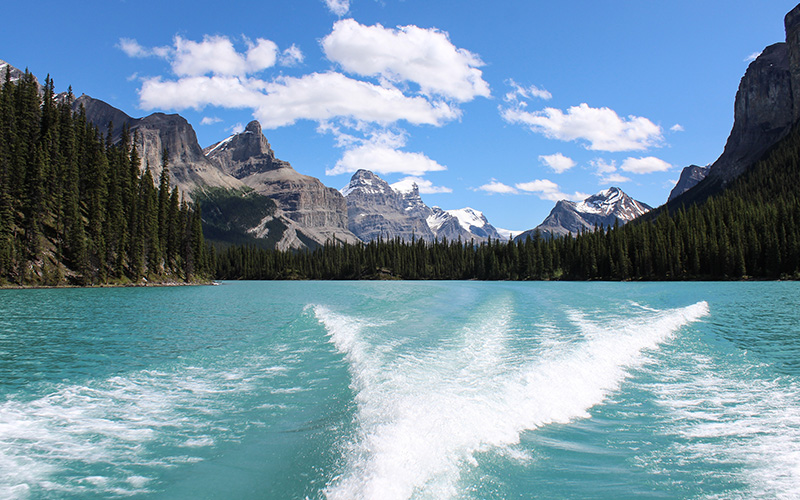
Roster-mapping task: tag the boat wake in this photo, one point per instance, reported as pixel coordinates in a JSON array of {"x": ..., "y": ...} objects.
[{"x": 424, "y": 416}]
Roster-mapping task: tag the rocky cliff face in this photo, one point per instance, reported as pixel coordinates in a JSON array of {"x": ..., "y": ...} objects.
[
  {"x": 375, "y": 210},
  {"x": 378, "y": 209},
  {"x": 189, "y": 168},
  {"x": 763, "y": 113},
  {"x": 319, "y": 212},
  {"x": 602, "y": 209},
  {"x": 690, "y": 177}
]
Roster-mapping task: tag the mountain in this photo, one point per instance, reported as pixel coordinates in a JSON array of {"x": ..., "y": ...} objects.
[
  {"x": 284, "y": 208},
  {"x": 465, "y": 223},
  {"x": 317, "y": 211},
  {"x": 690, "y": 177},
  {"x": 13, "y": 73},
  {"x": 605, "y": 208},
  {"x": 376, "y": 208},
  {"x": 189, "y": 168},
  {"x": 766, "y": 106}
]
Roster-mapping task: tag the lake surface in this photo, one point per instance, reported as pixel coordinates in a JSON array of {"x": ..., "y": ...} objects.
[{"x": 395, "y": 390}]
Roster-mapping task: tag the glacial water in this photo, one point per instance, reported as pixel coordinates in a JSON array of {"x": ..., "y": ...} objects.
[{"x": 396, "y": 390}]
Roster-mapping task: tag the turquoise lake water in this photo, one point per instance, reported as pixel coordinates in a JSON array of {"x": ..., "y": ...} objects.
[{"x": 395, "y": 390}]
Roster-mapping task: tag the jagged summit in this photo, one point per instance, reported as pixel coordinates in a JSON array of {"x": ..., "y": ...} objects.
[
  {"x": 377, "y": 209},
  {"x": 245, "y": 153},
  {"x": 605, "y": 208}
]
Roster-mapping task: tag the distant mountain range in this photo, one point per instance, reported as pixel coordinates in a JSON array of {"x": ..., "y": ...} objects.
[
  {"x": 606, "y": 208},
  {"x": 376, "y": 209}
]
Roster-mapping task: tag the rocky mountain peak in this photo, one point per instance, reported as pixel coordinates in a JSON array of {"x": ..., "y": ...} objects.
[
  {"x": 792, "y": 25},
  {"x": 245, "y": 153},
  {"x": 606, "y": 208},
  {"x": 367, "y": 183}
]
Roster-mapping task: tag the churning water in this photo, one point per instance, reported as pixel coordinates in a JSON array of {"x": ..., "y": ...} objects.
[{"x": 396, "y": 390}]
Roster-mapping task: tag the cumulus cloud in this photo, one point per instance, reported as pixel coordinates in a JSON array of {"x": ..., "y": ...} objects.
[
  {"x": 497, "y": 187},
  {"x": 425, "y": 186},
  {"x": 518, "y": 92},
  {"x": 558, "y": 162},
  {"x": 613, "y": 179},
  {"x": 291, "y": 56},
  {"x": 677, "y": 128},
  {"x": 548, "y": 190},
  {"x": 132, "y": 48},
  {"x": 338, "y": 7},
  {"x": 646, "y": 165},
  {"x": 216, "y": 55},
  {"x": 383, "y": 159},
  {"x": 323, "y": 96},
  {"x": 318, "y": 97},
  {"x": 601, "y": 127},
  {"x": 210, "y": 120},
  {"x": 407, "y": 54}
]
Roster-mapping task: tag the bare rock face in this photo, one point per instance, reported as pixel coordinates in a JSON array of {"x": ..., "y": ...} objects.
[
  {"x": 319, "y": 212},
  {"x": 375, "y": 210},
  {"x": 690, "y": 177},
  {"x": 792, "y": 25},
  {"x": 762, "y": 113},
  {"x": 606, "y": 208},
  {"x": 189, "y": 169}
]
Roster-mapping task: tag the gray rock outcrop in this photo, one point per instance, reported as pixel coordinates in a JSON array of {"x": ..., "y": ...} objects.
[
  {"x": 319, "y": 212},
  {"x": 606, "y": 208},
  {"x": 189, "y": 168},
  {"x": 690, "y": 177},
  {"x": 375, "y": 210}
]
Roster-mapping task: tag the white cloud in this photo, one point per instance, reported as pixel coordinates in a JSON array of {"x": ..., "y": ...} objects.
[
  {"x": 291, "y": 56},
  {"x": 236, "y": 129},
  {"x": 601, "y": 127},
  {"x": 677, "y": 128},
  {"x": 604, "y": 167},
  {"x": 558, "y": 162},
  {"x": 408, "y": 53},
  {"x": 323, "y": 96},
  {"x": 497, "y": 187},
  {"x": 646, "y": 165},
  {"x": 338, "y": 7},
  {"x": 197, "y": 92},
  {"x": 548, "y": 190},
  {"x": 217, "y": 55},
  {"x": 613, "y": 179},
  {"x": 519, "y": 92},
  {"x": 425, "y": 186},
  {"x": 318, "y": 97},
  {"x": 382, "y": 159},
  {"x": 210, "y": 120},
  {"x": 752, "y": 57},
  {"x": 132, "y": 48}
]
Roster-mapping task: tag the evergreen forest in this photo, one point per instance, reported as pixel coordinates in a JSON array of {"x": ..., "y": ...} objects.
[
  {"x": 749, "y": 230},
  {"x": 77, "y": 209}
]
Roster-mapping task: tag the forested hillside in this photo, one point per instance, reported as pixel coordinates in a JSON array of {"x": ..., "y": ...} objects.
[
  {"x": 77, "y": 209},
  {"x": 749, "y": 230}
]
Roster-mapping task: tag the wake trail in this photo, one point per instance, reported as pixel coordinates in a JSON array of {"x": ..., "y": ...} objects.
[{"x": 422, "y": 418}]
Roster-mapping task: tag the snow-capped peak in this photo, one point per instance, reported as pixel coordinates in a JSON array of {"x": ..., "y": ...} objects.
[{"x": 468, "y": 217}]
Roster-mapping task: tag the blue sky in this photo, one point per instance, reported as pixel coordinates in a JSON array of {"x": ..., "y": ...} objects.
[{"x": 502, "y": 106}]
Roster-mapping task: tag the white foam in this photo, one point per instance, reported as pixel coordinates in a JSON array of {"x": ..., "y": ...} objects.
[
  {"x": 46, "y": 442},
  {"x": 423, "y": 417},
  {"x": 724, "y": 413}
]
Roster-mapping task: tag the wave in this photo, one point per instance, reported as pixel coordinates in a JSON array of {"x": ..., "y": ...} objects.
[
  {"x": 422, "y": 417},
  {"x": 743, "y": 424},
  {"x": 111, "y": 437}
]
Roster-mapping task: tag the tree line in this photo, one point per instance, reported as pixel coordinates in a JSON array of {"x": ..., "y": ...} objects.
[
  {"x": 77, "y": 207},
  {"x": 751, "y": 230}
]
